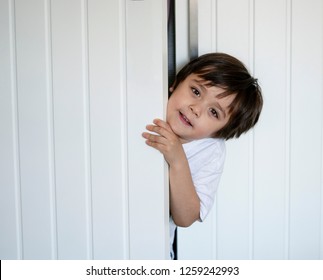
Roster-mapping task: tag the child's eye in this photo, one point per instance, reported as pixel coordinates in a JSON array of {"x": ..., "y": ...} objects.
[
  {"x": 195, "y": 91},
  {"x": 214, "y": 113}
]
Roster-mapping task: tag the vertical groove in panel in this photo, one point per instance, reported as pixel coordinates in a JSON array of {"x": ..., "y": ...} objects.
[
  {"x": 214, "y": 7},
  {"x": 288, "y": 124},
  {"x": 124, "y": 123},
  {"x": 321, "y": 227},
  {"x": 18, "y": 202},
  {"x": 87, "y": 129},
  {"x": 321, "y": 220},
  {"x": 251, "y": 133},
  {"x": 215, "y": 24},
  {"x": 51, "y": 145}
]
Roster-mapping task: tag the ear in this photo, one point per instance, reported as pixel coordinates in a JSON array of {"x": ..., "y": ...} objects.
[{"x": 171, "y": 89}]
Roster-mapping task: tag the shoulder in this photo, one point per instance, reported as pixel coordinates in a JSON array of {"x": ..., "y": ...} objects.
[
  {"x": 206, "y": 147},
  {"x": 206, "y": 153}
]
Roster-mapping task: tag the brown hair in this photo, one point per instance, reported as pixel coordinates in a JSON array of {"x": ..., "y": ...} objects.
[{"x": 225, "y": 71}]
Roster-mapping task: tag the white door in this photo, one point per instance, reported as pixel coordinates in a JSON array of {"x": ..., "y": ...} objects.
[
  {"x": 270, "y": 201},
  {"x": 79, "y": 82}
]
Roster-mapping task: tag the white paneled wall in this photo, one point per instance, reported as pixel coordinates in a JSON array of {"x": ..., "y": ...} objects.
[
  {"x": 270, "y": 201},
  {"x": 79, "y": 81}
]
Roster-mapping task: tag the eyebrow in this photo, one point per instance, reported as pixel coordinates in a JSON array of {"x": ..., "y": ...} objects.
[
  {"x": 199, "y": 82},
  {"x": 201, "y": 85}
]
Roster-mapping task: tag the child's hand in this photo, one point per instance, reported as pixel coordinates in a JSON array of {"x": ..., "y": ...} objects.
[{"x": 165, "y": 141}]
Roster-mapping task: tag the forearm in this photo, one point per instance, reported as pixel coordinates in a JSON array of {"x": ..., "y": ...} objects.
[{"x": 184, "y": 201}]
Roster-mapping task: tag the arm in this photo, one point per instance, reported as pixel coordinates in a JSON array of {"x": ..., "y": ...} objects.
[{"x": 184, "y": 201}]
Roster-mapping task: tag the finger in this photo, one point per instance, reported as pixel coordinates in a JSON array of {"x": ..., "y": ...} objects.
[
  {"x": 154, "y": 138},
  {"x": 158, "y": 146},
  {"x": 162, "y": 124},
  {"x": 161, "y": 128},
  {"x": 151, "y": 127},
  {"x": 154, "y": 128}
]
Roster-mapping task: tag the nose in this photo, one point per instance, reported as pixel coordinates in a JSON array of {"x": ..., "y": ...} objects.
[{"x": 195, "y": 110}]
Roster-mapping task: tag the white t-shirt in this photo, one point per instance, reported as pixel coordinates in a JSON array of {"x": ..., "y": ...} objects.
[{"x": 206, "y": 160}]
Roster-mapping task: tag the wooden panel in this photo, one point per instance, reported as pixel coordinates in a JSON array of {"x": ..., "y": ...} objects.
[
  {"x": 232, "y": 203},
  {"x": 271, "y": 166},
  {"x": 71, "y": 123},
  {"x": 34, "y": 135},
  {"x": 232, "y": 19},
  {"x": 207, "y": 10},
  {"x": 306, "y": 130},
  {"x": 146, "y": 96},
  {"x": 197, "y": 242},
  {"x": 10, "y": 218},
  {"x": 108, "y": 129}
]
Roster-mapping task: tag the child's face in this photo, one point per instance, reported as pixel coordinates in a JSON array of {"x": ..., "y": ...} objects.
[{"x": 194, "y": 110}]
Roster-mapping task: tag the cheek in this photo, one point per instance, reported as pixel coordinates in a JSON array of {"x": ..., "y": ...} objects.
[
  {"x": 210, "y": 127},
  {"x": 205, "y": 129}
]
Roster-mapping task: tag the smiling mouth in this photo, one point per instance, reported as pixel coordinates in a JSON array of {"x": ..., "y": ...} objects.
[{"x": 184, "y": 119}]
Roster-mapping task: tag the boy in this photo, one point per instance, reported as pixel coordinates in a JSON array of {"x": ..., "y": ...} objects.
[{"x": 213, "y": 99}]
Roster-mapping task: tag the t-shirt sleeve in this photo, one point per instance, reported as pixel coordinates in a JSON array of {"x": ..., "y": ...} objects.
[{"x": 206, "y": 181}]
